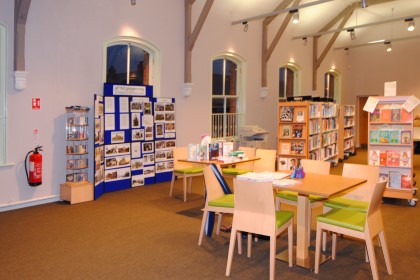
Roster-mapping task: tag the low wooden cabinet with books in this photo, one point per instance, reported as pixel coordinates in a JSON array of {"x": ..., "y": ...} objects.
[
  {"x": 306, "y": 130},
  {"x": 77, "y": 188},
  {"x": 391, "y": 146},
  {"x": 346, "y": 131}
]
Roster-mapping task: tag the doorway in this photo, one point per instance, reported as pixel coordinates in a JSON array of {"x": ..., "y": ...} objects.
[{"x": 362, "y": 125}]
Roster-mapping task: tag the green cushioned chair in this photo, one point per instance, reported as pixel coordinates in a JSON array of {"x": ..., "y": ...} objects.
[
  {"x": 347, "y": 203},
  {"x": 290, "y": 197},
  {"x": 361, "y": 225},
  {"x": 255, "y": 213},
  {"x": 234, "y": 171},
  {"x": 249, "y": 152},
  {"x": 184, "y": 171}
]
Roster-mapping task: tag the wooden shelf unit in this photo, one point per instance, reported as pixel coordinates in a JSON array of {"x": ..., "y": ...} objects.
[
  {"x": 306, "y": 130},
  {"x": 390, "y": 146},
  {"x": 346, "y": 131}
]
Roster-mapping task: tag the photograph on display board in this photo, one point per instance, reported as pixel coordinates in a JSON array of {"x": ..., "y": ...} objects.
[
  {"x": 135, "y": 150},
  {"x": 147, "y": 108},
  {"x": 160, "y": 145},
  {"x": 136, "y": 106},
  {"x": 136, "y": 164},
  {"x": 124, "y": 107},
  {"x": 169, "y": 117},
  {"x": 149, "y": 133},
  {"x": 170, "y": 154},
  {"x": 135, "y": 120},
  {"x": 99, "y": 176},
  {"x": 170, "y": 107},
  {"x": 169, "y": 165},
  {"x": 159, "y": 117},
  {"x": 117, "y": 174},
  {"x": 148, "y": 159},
  {"x": 117, "y": 137},
  {"x": 160, "y": 156},
  {"x": 117, "y": 149},
  {"x": 149, "y": 171},
  {"x": 159, "y": 107},
  {"x": 147, "y": 147},
  {"x": 119, "y": 161},
  {"x": 137, "y": 181},
  {"x": 137, "y": 134},
  {"x": 159, "y": 130},
  {"x": 170, "y": 144},
  {"x": 169, "y": 127}
]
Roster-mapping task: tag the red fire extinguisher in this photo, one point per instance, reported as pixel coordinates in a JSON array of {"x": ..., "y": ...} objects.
[{"x": 34, "y": 176}]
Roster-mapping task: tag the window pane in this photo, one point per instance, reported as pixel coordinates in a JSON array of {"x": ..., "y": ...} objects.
[
  {"x": 230, "y": 78},
  {"x": 231, "y": 105},
  {"x": 138, "y": 66},
  {"x": 218, "y": 77},
  {"x": 217, "y": 106},
  {"x": 282, "y": 81},
  {"x": 117, "y": 64}
]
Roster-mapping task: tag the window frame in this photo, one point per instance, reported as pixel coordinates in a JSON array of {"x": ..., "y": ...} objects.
[
  {"x": 154, "y": 58},
  {"x": 296, "y": 79},
  {"x": 337, "y": 84},
  {"x": 3, "y": 97},
  {"x": 240, "y": 93}
]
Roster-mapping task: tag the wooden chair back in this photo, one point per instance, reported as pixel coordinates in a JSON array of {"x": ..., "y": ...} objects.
[
  {"x": 376, "y": 199},
  {"x": 254, "y": 207},
  {"x": 181, "y": 153},
  {"x": 315, "y": 166},
  {"x": 249, "y": 153},
  {"x": 213, "y": 188},
  {"x": 267, "y": 161},
  {"x": 368, "y": 172}
]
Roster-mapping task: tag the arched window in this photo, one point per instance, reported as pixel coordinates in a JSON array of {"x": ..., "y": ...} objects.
[
  {"x": 3, "y": 116},
  {"x": 288, "y": 80},
  {"x": 332, "y": 85},
  {"x": 131, "y": 61},
  {"x": 227, "y": 91}
]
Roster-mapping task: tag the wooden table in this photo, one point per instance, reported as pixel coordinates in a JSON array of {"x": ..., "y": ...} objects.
[
  {"x": 222, "y": 164},
  {"x": 316, "y": 184}
]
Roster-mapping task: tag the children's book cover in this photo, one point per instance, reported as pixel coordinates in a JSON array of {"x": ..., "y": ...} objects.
[
  {"x": 394, "y": 136},
  {"x": 382, "y": 158},
  {"x": 406, "y": 181},
  {"x": 395, "y": 115},
  {"x": 405, "y": 137},
  {"x": 385, "y": 115},
  {"x": 393, "y": 158},
  {"x": 374, "y": 136},
  {"x": 375, "y": 116},
  {"x": 405, "y": 158},
  {"x": 384, "y": 136}
]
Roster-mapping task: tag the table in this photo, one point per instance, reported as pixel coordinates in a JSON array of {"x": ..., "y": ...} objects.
[
  {"x": 316, "y": 184},
  {"x": 222, "y": 164}
]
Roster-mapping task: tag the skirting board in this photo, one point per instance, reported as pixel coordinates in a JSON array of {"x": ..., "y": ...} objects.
[{"x": 28, "y": 203}]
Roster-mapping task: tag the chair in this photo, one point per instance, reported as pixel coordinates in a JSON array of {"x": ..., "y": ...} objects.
[
  {"x": 184, "y": 170},
  {"x": 358, "y": 198},
  {"x": 254, "y": 212},
  {"x": 291, "y": 198},
  {"x": 244, "y": 167},
  {"x": 267, "y": 161},
  {"x": 358, "y": 225},
  {"x": 216, "y": 201}
]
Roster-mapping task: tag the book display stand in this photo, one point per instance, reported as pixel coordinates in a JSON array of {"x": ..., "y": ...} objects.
[
  {"x": 346, "y": 131},
  {"x": 77, "y": 188},
  {"x": 390, "y": 146},
  {"x": 307, "y": 130}
]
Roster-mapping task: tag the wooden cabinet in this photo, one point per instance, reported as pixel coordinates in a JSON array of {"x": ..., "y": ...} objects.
[
  {"x": 346, "y": 131},
  {"x": 390, "y": 146}
]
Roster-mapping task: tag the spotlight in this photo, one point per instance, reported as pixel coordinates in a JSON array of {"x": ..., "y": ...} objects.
[
  {"x": 305, "y": 41},
  {"x": 133, "y": 2},
  {"x": 245, "y": 24},
  {"x": 363, "y": 3},
  {"x": 411, "y": 24},
  {"x": 346, "y": 51},
  {"x": 352, "y": 34},
  {"x": 388, "y": 46},
  {"x": 295, "y": 16}
]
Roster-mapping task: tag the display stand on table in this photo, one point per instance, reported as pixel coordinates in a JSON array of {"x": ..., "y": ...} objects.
[{"x": 390, "y": 146}]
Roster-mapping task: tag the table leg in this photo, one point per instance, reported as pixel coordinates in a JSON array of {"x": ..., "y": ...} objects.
[{"x": 302, "y": 251}]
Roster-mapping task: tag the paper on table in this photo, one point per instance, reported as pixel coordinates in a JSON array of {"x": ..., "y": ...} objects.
[
  {"x": 263, "y": 176},
  {"x": 285, "y": 182}
]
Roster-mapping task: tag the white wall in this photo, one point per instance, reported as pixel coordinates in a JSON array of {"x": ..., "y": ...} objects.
[{"x": 64, "y": 45}]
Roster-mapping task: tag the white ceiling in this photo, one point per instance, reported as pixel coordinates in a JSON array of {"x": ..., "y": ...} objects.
[{"x": 314, "y": 18}]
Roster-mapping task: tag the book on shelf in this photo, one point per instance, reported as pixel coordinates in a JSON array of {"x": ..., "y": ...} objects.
[
  {"x": 374, "y": 136},
  {"x": 227, "y": 148},
  {"x": 213, "y": 151},
  {"x": 405, "y": 137},
  {"x": 375, "y": 116},
  {"x": 394, "y": 179},
  {"x": 406, "y": 181},
  {"x": 203, "y": 153},
  {"x": 383, "y": 177},
  {"x": 382, "y": 158},
  {"x": 395, "y": 115},
  {"x": 384, "y": 136},
  {"x": 374, "y": 157},
  {"x": 285, "y": 148},
  {"x": 385, "y": 115},
  {"x": 286, "y": 131},
  {"x": 394, "y": 136},
  {"x": 297, "y": 148},
  {"x": 282, "y": 163},
  {"x": 193, "y": 151},
  {"x": 300, "y": 115},
  {"x": 406, "y": 116},
  {"x": 405, "y": 158},
  {"x": 393, "y": 158},
  {"x": 286, "y": 113},
  {"x": 297, "y": 130}
]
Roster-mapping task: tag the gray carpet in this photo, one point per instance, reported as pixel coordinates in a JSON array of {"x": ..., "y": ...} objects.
[{"x": 142, "y": 233}]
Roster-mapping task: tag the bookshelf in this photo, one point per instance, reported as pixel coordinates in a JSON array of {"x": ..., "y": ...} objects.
[
  {"x": 390, "y": 146},
  {"x": 77, "y": 188},
  {"x": 346, "y": 131},
  {"x": 306, "y": 130}
]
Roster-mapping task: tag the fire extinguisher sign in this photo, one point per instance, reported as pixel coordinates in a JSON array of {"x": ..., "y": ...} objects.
[{"x": 36, "y": 103}]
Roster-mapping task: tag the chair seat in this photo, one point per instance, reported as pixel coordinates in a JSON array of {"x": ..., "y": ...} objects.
[
  {"x": 347, "y": 203},
  {"x": 191, "y": 170},
  {"x": 345, "y": 218},
  {"x": 293, "y": 196},
  {"x": 223, "y": 201},
  {"x": 234, "y": 171},
  {"x": 282, "y": 217}
]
